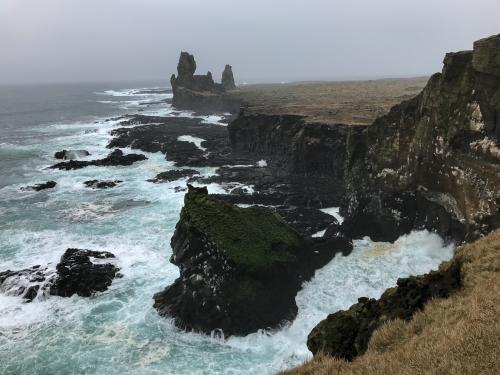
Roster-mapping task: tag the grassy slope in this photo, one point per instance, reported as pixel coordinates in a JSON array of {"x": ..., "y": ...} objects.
[{"x": 458, "y": 335}]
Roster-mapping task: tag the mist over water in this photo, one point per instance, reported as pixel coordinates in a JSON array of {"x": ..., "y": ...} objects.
[{"x": 118, "y": 331}]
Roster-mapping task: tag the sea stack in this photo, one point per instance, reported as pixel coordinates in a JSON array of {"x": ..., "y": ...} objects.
[
  {"x": 200, "y": 92},
  {"x": 240, "y": 268},
  {"x": 228, "y": 78}
]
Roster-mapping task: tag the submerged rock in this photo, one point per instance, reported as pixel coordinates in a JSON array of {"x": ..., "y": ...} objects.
[
  {"x": 96, "y": 184},
  {"x": 41, "y": 186},
  {"x": 71, "y": 154},
  {"x": 81, "y": 272},
  {"x": 240, "y": 268},
  {"x": 114, "y": 158},
  {"x": 173, "y": 175},
  {"x": 345, "y": 334}
]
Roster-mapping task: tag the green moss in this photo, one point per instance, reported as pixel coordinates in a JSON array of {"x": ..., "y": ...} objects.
[{"x": 252, "y": 236}]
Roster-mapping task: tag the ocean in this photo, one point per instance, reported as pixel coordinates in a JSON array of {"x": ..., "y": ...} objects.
[{"x": 118, "y": 331}]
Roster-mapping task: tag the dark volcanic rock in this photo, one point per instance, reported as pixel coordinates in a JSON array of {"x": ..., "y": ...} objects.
[
  {"x": 312, "y": 154},
  {"x": 42, "y": 186},
  {"x": 173, "y": 175},
  {"x": 345, "y": 334},
  {"x": 71, "y": 154},
  {"x": 240, "y": 269},
  {"x": 160, "y": 134},
  {"x": 434, "y": 161},
  {"x": 96, "y": 184},
  {"x": 81, "y": 272},
  {"x": 200, "y": 92},
  {"x": 24, "y": 283},
  {"x": 227, "y": 80},
  {"x": 116, "y": 157}
]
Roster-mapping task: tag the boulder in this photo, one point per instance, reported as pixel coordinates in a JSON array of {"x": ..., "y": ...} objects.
[
  {"x": 84, "y": 272},
  {"x": 41, "y": 186},
  {"x": 240, "y": 268},
  {"x": 81, "y": 272}
]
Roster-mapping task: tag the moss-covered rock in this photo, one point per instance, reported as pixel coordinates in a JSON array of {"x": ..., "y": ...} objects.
[
  {"x": 345, "y": 334},
  {"x": 240, "y": 268}
]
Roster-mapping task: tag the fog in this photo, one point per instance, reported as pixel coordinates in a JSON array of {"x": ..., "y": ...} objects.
[{"x": 264, "y": 40}]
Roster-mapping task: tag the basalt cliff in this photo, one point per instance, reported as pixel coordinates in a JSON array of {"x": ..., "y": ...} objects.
[{"x": 432, "y": 162}]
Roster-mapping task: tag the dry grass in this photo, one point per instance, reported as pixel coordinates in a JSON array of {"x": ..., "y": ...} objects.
[
  {"x": 458, "y": 335},
  {"x": 348, "y": 102}
]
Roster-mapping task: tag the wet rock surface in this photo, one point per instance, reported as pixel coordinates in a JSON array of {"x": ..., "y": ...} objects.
[
  {"x": 114, "y": 158},
  {"x": 240, "y": 267},
  {"x": 96, "y": 184},
  {"x": 71, "y": 154},
  {"x": 81, "y": 272},
  {"x": 345, "y": 334},
  {"x": 41, "y": 186},
  {"x": 173, "y": 175}
]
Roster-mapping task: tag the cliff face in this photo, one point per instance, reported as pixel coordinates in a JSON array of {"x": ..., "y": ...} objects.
[
  {"x": 200, "y": 92},
  {"x": 433, "y": 161},
  {"x": 295, "y": 147}
]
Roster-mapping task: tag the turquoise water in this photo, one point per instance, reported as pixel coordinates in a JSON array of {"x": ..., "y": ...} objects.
[{"x": 118, "y": 331}]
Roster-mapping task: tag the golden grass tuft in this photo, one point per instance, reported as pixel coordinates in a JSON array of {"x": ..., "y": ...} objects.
[{"x": 458, "y": 335}]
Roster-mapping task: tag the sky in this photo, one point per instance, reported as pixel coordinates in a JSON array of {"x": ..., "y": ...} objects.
[{"x": 264, "y": 40}]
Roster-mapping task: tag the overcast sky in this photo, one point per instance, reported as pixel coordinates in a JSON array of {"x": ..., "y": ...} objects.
[{"x": 264, "y": 40}]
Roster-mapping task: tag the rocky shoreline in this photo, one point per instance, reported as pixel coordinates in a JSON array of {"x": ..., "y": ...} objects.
[{"x": 432, "y": 162}]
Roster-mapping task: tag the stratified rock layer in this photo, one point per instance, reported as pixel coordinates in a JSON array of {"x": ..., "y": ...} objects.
[
  {"x": 434, "y": 161},
  {"x": 240, "y": 268}
]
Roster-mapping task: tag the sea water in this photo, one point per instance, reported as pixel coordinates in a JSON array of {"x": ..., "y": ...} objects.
[{"x": 118, "y": 331}]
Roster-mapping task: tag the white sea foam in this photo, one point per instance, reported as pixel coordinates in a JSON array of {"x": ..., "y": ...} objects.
[
  {"x": 189, "y": 138},
  {"x": 335, "y": 212}
]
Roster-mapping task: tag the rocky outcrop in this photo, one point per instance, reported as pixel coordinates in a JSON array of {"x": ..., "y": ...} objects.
[
  {"x": 434, "y": 161},
  {"x": 173, "y": 175},
  {"x": 96, "y": 184},
  {"x": 240, "y": 268},
  {"x": 84, "y": 272},
  {"x": 41, "y": 186},
  {"x": 81, "y": 272},
  {"x": 71, "y": 154},
  {"x": 345, "y": 334},
  {"x": 227, "y": 80},
  {"x": 114, "y": 158},
  {"x": 200, "y": 92}
]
